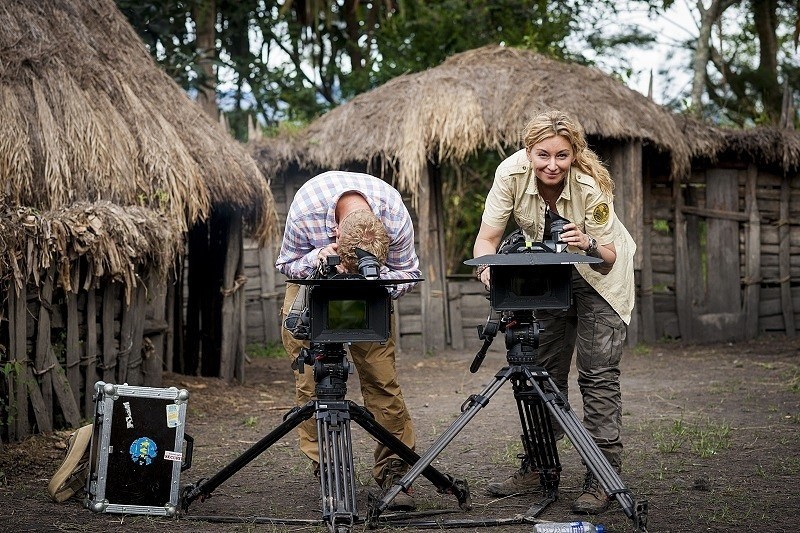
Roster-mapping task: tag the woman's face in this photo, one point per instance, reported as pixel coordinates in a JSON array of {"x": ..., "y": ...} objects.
[{"x": 551, "y": 159}]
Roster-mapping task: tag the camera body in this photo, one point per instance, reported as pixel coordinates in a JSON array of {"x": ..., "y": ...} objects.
[
  {"x": 344, "y": 307},
  {"x": 526, "y": 275}
]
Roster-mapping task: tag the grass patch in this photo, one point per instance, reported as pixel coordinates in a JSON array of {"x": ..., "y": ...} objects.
[{"x": 705, "y": 438}]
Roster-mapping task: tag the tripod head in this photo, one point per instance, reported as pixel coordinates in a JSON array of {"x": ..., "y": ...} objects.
[{"x": 525, "y": 277}]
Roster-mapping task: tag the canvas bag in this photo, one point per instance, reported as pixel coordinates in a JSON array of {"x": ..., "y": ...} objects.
[{"x": 70, "y": 478}]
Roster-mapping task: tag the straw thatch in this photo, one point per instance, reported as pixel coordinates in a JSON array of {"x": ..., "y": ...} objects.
[
  {"x": 480, "y": 99},
  {"x": 762, "y": 145},
  {"x": 111, "y": 239},
  {"x": 87, "y": 115}
]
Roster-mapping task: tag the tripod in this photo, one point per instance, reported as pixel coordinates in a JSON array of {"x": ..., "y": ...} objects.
[
  {"x": 537, "y": 398},
  {"x": 333, "y": 414}
]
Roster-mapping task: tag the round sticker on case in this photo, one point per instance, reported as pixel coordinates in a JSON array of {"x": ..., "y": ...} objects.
[
  {"x": 143, "y": 451},
  {"x": 600, "y": 213}
]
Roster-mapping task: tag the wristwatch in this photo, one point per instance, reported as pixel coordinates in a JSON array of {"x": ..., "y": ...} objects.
[{"x": 592, "y": 248}]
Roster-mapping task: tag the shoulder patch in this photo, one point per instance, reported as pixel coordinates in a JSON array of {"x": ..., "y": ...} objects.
[{"x": 601, "y": 213}]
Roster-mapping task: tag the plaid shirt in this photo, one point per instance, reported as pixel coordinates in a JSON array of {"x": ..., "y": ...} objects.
[{"x": 311, "y": 223}]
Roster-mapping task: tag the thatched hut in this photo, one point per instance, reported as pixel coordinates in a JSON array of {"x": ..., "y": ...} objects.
[
  {"x": 410, "y": 128},
  {"x": 107, "y": 171}
]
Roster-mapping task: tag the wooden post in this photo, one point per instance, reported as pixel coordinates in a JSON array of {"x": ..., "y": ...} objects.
[
  {"x": 26, "y": 385},
  {"x": 18, "y": 349},
  {"x": 130, "y": 314},
  {"x": 91, "y": 352},
  {"x": 269, "y": 295},
  {"x": 627, "y": 172},
  {"x": 752, "y": 259},
  {"x": 156, "y": 361},
  {"x": 232, "y": 283},
  {"x": 784, "y": 258},
  {"x": 646, "y": 301},
  {"x": 107, "y": 324},
  {"x": 169, "y": 317},
  {"x": 74, "y": 353},
  {"x": 683, "y": 295},
  {"x": 43, "y": 342},
  {"x": 135, "y": 361},
  {"x": 51, "y": 372},
  {"x": 432, "y": 291}
]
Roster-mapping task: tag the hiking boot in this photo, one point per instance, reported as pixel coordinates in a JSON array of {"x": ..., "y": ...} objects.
[
  {"x": 594, "y": 499},
  {"x": 523, "y": 481},
  {"x": 392, "y": 472}
]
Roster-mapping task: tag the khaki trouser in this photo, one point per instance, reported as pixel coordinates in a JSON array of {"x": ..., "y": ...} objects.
[
  {"x": 377, "y": 373},
  {"x": 599, "y": 334}
]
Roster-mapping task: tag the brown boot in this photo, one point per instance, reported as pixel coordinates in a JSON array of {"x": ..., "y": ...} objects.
[
  {"x": 594, "y": 499},
  {"x": 523, "y": 481},
  {"x": 392, "y": 472}
]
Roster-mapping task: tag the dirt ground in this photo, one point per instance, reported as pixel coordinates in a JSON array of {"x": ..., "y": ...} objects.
[{"x": 711, "y": 441}]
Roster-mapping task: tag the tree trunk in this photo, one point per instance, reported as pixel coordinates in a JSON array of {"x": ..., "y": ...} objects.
[{"x": 205, "y": 16}]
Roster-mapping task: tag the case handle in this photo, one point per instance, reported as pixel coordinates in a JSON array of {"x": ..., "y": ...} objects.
[{"x": 186, "y": 463}]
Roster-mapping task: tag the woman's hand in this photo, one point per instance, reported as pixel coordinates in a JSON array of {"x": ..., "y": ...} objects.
[{"x": 574, "y": 236}]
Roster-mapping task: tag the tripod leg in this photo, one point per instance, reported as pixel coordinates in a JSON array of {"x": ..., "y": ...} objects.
[
  {"x": 469, "y": 409},
  {"x": 538, "y": 441},
  {"x": 337, "y": 478},
  {"x": 203, "y": 488},
  {"x": 587, "y": 448},
  {"x": 444, "y": 483}
]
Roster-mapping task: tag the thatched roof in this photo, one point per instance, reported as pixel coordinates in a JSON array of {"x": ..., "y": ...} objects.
[
  {"x": 115, "y": 242},
  {"x": 761, "y": 145},
  {"x": 87, "y": 115},
  {"x": 480, "y": 99}
]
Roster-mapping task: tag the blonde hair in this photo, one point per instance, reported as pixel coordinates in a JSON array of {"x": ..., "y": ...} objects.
[
  {"x": 551, "y": 123},
  {"x": 362, "y": 229}
]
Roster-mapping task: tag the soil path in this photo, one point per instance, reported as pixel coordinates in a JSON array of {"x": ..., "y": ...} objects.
[{"x": 711, "y": 440}]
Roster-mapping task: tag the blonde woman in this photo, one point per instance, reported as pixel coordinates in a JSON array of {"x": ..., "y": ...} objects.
[{"x": 557, "y": 173}]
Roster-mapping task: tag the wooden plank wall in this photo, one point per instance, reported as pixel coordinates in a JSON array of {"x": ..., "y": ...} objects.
[
  {"x": 60, "y": 345},
  {"x": 761, "y": 243}
]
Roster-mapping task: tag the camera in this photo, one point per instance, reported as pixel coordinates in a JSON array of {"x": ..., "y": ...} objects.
[
  {"x": 528, "y": 275},
  {"x": 335, "y": 307}
]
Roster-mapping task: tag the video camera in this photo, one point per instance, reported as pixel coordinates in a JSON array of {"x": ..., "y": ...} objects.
[
  {"x": 527, "y": 275},
  {"x": 335, "y": 307}
]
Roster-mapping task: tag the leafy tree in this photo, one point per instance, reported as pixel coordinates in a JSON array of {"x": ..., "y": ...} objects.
[{"x": 744, "y": 57}]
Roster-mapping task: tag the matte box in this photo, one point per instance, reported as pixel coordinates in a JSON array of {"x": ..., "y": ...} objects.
[{"x": 138, "y": 450}]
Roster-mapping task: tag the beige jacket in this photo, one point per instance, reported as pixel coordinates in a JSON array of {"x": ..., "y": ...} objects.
[{"x": 514, "y": 191}]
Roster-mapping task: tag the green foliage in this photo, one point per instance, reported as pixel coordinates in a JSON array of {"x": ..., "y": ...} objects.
[
  {"x": 271, "y": 350},
  {"x": 464, "y": 190}
]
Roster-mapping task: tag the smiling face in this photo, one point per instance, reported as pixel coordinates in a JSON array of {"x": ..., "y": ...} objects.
[{"x": 551, "y": 159}]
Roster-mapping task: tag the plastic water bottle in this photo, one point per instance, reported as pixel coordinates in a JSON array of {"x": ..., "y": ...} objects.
[{"x": 568, "y": 527}]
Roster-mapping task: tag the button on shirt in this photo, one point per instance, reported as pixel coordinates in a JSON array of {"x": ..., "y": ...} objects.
[
  {"x": 311, "y": 225},
  {"x": 514, "y": 191}
]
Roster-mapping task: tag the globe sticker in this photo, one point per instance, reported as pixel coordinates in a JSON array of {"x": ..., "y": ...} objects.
[
  {"x": 143, "y": 450},
  {"x": 601, "y": 213}
]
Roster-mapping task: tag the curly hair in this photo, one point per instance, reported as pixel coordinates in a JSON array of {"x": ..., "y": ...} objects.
[
  {"x": 551, "y": 123},
  {"x": 362, "y": 229}
]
